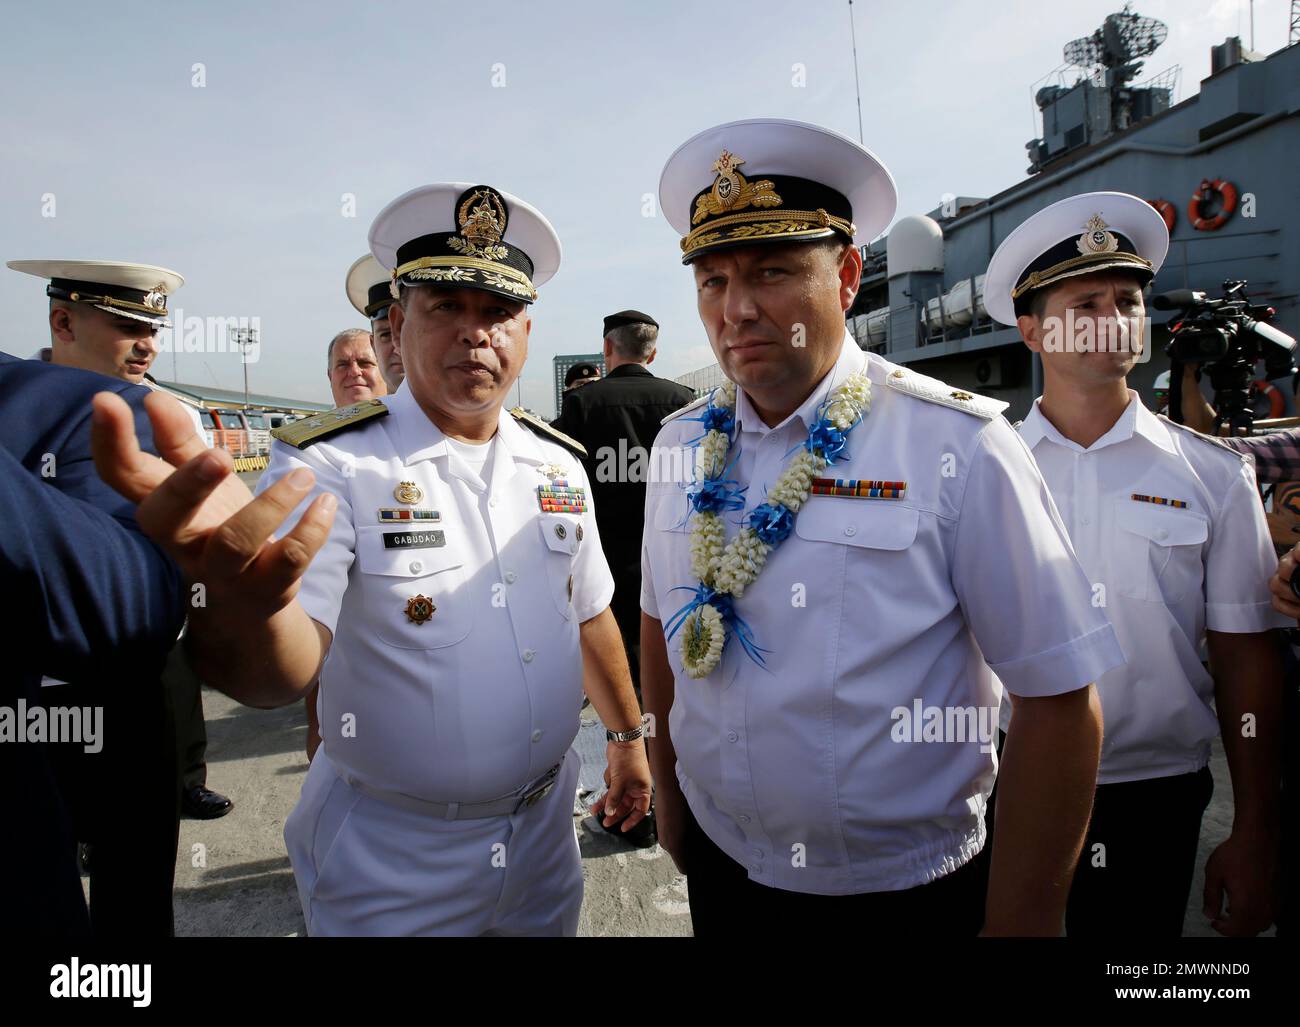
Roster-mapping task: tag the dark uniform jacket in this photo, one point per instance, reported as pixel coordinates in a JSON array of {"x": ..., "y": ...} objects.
[
  {"x": 93, "y": 602},
  {"x": 627, "y": 405}
]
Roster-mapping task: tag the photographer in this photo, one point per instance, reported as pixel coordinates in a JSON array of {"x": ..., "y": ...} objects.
[{"x": 1277, "y": 463}]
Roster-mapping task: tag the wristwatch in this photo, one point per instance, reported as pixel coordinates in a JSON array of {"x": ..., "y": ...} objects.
[{"x": 625, "y": 736}]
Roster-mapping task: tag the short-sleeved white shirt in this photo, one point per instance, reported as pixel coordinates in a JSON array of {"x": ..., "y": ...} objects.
[
  {"x": 1163, "y": 573},
  {"x": 485, "y": 695},
  {"x": 875, "y": 612}
]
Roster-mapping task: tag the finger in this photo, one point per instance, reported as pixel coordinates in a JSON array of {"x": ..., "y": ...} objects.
[
  {"x": 285, "y": 561},
  {"x": 118, "y": 457},
  {"x": 1286, "y": 608},
  {"x": 632, "y": 819},
  {"x": 1284, "y": 600},
  {"x": 1286, "y": 566},
  {"x": 173, "y": 431},
  {"x": 237, "y": 542},
  {"x": 166, "y": 512}
]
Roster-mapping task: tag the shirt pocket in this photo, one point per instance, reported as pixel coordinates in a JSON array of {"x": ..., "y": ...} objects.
[
  {"x": 858, "y": 523},
  {"x": 391, "y": 578},
  {"x": 560, "y": 533},
  {"x": 1157, "y": 551}
]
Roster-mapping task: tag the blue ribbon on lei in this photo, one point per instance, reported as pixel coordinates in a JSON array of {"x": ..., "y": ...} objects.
[
  {"x": 771, "y": 522},
  {"x": 702, "y": 595}
]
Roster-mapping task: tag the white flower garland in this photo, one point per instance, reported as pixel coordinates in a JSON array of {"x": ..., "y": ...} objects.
[{"x": 731, "y": 567}]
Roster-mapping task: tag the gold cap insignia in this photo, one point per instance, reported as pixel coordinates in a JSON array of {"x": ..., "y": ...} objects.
[
  {"x": 1096, "y": 238},
  {"x": 482, "y": 220},
  {"x": 732, "y": 191},
  {"x": 408, "y": 492},
  {"x": 419, "y": 609},
  {"x": 156, "y": 298}
]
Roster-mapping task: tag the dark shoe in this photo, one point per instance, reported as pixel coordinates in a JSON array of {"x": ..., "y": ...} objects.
[
  {"x": 642, "y": 836},
  {"x": 204, "y": 804}
]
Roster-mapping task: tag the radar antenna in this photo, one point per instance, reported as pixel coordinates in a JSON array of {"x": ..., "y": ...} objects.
[{"x": 1122, "y": 38}]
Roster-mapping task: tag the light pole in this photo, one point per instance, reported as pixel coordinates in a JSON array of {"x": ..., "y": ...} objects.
[{"x": 244, "y": 338}]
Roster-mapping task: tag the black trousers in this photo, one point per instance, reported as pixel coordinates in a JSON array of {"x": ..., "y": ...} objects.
[
  {"x": 1139, "y": 856},
  {"x": 725, "y": 903},
  {"x": 125, "y": 802},
  {"x": 626, "y": 607},
  {"x": 191, "y": 730}
]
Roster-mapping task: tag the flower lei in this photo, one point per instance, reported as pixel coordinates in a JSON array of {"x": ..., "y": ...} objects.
[{"x": 725, "y": 569}]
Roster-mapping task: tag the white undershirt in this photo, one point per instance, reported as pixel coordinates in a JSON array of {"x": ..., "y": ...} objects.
[{"x": 477, "y": 455}]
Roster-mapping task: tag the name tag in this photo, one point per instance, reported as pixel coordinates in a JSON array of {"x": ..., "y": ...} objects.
[{"x": 414, "y": 539}]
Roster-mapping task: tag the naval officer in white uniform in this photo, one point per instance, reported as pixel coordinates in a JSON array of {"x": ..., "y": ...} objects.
[
  {"x": 457, "y": 598},
  {"x": 1169, "y": 527},
  {"x": 835, "y": 758}
]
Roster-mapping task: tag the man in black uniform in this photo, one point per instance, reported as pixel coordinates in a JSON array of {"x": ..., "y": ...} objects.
[{"x": 617, "y": 419}]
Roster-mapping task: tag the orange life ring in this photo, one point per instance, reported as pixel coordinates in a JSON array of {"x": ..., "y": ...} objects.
[
  {"x": 1276, "y": 401},
  {"x": 1227, "y": 204},
  {"x": 1167, "y": 211}
]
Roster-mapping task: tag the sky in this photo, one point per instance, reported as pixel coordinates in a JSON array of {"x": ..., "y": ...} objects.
[{"x": 236, "y": 174}]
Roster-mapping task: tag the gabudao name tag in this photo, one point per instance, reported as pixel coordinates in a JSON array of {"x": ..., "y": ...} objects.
[{"x": 414, "y": 539}]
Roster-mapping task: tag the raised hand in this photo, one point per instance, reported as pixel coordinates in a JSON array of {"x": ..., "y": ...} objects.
[{"x": 201, "y": 514}]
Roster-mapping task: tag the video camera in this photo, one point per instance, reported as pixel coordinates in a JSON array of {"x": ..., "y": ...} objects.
[{"x": 1227, "y": 336}]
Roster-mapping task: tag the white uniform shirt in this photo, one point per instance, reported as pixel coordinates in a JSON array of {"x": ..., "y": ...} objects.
[
  {"x": 1164, "y": 574},
  {"x": 903, "y": 601},
  {"x": 485, "y": 695}
]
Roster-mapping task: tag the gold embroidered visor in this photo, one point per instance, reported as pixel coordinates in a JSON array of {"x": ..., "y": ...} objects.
[
  {"x": 737, "y": 210},
  {"x": 472, "y": 255},
  {"x": 1096, "y": 249}
]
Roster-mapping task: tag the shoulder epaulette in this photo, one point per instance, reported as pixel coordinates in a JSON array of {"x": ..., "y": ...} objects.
[
  {"x": 302, "y": 433},
  {"x": 934, "y": 391},
  {"x": 1213, "y": 440},
  {"x": 543, "y": 429},
  {"x": 689, "y": 406}
]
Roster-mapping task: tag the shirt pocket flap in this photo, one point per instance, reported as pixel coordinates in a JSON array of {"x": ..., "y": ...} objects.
[
  {"x": 1162, "y": 525},
  {"x": 560, "y": 533},
  {"x": 405, "y": 561},
  {"x": 871, "y": 524}
]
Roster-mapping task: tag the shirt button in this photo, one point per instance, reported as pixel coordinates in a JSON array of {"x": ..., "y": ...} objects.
[
  {"x": 758, "y": 853},
  {"x": 494, "y": 501},
  {"x": 850, "y": 531},
  {"x": 1161, "y": 533},
  {"x": 732, "y": 736},
  {"x": 510, "y": 577},
  {"x": 744, "y": 819},
  {"x": 537, "y": 735},
  {"x": 528, "y": 656},
  {"x": 416, "y": 566}
]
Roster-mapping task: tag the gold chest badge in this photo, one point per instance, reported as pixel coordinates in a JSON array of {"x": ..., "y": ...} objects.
[{"x": 408, "y": 492}]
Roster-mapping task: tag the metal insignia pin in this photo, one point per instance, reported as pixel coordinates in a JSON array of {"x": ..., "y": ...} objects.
[
  {"x": 419, "y": 609},
  {"x": 553, "y": 471},
  {"x": 578, "y": 532},
  {"x": 408, "y": 492},
  {"x": 560, "y": 532}
]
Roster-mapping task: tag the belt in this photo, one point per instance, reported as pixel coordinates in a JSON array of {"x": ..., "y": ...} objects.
[{"x": 522, "y": 798}]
